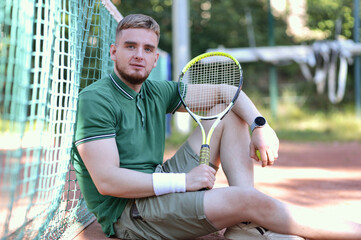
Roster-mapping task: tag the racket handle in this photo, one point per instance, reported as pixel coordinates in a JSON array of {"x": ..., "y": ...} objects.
[{"x": 205, "y": 154}]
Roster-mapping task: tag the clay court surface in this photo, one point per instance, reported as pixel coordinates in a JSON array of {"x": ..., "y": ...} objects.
[{"x": 323, "y": 176}]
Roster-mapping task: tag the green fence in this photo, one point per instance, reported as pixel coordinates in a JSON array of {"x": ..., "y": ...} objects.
[{"x": 49, "y": 51}]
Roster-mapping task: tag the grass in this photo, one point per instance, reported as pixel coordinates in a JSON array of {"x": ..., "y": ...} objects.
[
  {"x": 304, "y": 125},
  {"x": 297, "y": 124}
]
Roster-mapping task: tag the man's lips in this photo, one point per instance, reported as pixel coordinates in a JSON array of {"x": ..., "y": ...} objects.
[{"x": 137, "y": 65}]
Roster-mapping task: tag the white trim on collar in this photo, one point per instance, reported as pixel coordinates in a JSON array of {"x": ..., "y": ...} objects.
[{"x": 121, "y": 89}]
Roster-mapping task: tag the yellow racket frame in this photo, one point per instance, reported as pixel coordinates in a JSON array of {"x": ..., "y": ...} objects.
[{"x": 206, "y": 139}]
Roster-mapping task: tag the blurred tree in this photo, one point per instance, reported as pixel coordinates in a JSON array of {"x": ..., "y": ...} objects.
[
  {"x": 215, "y": 23},
  {"x": 223, "y": 23},
  {"x": 323, "y": 15},
  {"x": 212, "y": 23}
]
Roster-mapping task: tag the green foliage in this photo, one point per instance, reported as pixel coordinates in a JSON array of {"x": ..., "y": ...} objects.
[
  {"x": 212, "y": 23},
  {"x": 296, "y": 123},
  {"x": 223, "y": 23},
  {"x": 323, "y": 14}
]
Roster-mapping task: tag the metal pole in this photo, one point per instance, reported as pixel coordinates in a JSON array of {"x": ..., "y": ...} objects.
[
  {"x": 181, "y": 49},
  {"x": 273, "y": 86},
  {"x": 357, "y": 65},
  {"x": 181, "y": 53}
]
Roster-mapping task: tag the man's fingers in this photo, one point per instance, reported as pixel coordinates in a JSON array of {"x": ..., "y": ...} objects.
[
  {"x": 264, "y": 158},
  {"x": 271, "y": 158},
  {"x": 209, "y": 177},
  {"x": 267, "y": 157},
  {"x": 252, "y": 152}
]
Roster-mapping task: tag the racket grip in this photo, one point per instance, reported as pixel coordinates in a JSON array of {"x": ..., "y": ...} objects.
[{"x": 205, "y": 154}]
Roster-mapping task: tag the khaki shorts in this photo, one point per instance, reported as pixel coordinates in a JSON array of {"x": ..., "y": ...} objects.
[{"x": 170, "y": 216}]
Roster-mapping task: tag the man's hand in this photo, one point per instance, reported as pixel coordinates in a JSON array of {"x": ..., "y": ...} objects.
[
  {"x": 200, "y": 177},
  {"x": 264, "y": 140}
]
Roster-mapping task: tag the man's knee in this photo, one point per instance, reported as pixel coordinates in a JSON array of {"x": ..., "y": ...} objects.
[
  {"x": 233, "y": 121},
  {"x": 237, "y": 200},
  {"x": 241, "y": 197},
  {"x": 254, "y": 204}
]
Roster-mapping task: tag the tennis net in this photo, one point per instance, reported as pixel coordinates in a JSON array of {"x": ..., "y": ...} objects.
[{"x": 49, "y": 51}]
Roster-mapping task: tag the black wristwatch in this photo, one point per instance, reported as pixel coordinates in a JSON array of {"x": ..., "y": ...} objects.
[{"x": 258, "y": 122}]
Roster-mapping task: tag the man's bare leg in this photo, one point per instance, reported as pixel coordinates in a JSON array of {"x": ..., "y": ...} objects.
[
  {"x": 234, "y": 147},
  {"x": 226, "y": 207}
]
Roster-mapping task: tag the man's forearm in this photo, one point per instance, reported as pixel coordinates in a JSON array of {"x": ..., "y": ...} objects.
[
  {"x": 125, "y": 183},
  {"x": 245, "y": 108}
]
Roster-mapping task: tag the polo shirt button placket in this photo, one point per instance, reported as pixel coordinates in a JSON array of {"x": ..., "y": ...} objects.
[{"x": 140, "y": 109}]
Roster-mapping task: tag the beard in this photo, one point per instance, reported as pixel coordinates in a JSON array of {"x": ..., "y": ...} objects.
[{"x": 135, "y": 79}]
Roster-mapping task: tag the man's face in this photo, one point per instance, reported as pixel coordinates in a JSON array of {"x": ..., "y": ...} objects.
[{"x": 134, "y": 55}]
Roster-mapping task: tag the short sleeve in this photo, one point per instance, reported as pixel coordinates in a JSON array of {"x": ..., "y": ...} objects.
[
  {"x": 96, "y": 118},
  {"x": 168, "y": 91}
]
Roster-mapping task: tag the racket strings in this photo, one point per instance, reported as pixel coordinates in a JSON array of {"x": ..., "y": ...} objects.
[{"x": 204, "y": 75}]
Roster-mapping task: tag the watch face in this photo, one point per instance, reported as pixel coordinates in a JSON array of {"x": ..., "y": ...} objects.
[{"x": 260, "y": 121}]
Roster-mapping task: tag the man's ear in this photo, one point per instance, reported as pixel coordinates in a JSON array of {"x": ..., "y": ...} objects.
[
  {"x": 156, "y": 60},
  {"x": 112, "y": 51}
]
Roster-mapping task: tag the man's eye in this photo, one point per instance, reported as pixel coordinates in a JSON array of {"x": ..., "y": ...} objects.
[{"x": 130, "y": 47}]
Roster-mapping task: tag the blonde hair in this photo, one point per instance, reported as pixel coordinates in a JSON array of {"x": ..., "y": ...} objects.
[{"x": 138, "y": 21}]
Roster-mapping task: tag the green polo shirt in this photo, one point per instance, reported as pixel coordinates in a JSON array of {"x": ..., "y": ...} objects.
[{"x": 108, "y": 108}]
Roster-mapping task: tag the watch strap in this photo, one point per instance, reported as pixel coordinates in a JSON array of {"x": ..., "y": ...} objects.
[
  {"x": 258, "y": 122},
  {"x": 253, "y": 126}
]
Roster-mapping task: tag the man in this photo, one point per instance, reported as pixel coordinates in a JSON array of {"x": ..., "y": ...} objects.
[{"x": 118, "y": 156}]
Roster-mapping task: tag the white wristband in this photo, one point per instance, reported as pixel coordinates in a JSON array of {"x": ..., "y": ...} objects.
[{"x": 164, "y": 183}]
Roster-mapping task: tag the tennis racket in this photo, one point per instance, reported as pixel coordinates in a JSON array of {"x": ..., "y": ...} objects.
[{"x": 208, "y": 87}]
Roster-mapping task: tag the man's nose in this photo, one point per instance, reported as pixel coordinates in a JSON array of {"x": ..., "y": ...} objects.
[{"x": 139, "y": 54}]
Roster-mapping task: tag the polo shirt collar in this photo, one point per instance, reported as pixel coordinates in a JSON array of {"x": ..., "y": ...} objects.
[{"x": 123, "y": 88}]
